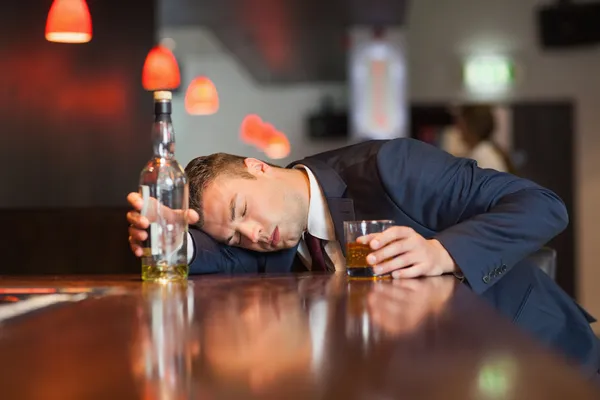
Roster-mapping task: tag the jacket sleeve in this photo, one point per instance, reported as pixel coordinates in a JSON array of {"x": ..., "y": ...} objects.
[
  {"x": 212, "y": 257},
  {"x": 486, "y": 220}
]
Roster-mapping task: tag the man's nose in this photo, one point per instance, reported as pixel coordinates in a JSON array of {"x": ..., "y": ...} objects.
[{"x": 251, "y": 231}]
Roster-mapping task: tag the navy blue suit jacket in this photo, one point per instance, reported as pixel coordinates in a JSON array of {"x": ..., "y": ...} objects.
[{"x": 488, "y": 222}]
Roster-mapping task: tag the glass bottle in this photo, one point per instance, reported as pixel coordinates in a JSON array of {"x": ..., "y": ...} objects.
[{"x": 164, "y": 189}]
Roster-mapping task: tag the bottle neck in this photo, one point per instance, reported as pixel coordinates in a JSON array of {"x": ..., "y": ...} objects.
[{"x": 163, "y": 135}]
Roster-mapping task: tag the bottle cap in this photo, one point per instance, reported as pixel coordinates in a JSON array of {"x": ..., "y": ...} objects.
[{"x": 163, "y": 95}]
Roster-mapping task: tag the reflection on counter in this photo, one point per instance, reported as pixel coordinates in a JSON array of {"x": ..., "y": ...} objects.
[
  {"x": 253, "y": 340},
  {"x": 165, "y": 344},
  {"x": 497, "y": 377},
  {"x": 301, "y": 337},
  {"x": 272, "y": 337}
]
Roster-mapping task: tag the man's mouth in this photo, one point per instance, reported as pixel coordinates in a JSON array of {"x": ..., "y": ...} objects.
[{"x": 275, "y": 237}]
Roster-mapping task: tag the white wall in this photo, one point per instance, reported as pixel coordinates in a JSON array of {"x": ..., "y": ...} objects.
[
  {"x": 440, "y": 32},
  {"x": 200, "y": 53}
]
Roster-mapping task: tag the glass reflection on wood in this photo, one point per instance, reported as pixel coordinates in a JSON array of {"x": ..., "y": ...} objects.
[
  {"x": 264, "y": 337},
  {"x": 278, "y": 337},
  {"x": 330, "y": 336},
  {"x": 164, "y": 343}
]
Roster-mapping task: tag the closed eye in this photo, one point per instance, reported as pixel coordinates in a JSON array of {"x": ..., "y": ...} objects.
[{"x": 230, "y": 240}]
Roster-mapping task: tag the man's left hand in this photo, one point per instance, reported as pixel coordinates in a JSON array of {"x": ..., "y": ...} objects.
[{"x": 404, "y": 253}]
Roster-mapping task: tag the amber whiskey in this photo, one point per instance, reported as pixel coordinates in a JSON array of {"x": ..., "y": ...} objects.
[{"x": 356, "y": 260}]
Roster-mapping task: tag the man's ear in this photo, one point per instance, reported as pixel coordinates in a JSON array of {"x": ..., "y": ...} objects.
[{"x": 256, "y": 167}]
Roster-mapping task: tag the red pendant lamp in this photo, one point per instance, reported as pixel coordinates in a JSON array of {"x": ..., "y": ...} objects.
[
  {"x": 202, "y": 97},
  {"x": 161, "y": 71},
  {"x": 69, "y": 21}
]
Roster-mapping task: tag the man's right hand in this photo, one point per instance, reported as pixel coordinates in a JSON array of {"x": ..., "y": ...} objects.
[{"x": 139, "y": 223}]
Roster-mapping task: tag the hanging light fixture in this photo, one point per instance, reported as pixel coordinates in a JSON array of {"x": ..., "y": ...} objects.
[
  {"x": 202, "y": 97},
  {"x": 161, "y": 71},
  {"x": 251, "y": 128},
  {"x": 266, "y": 136},
  {"x": 69, "y": 21},
  {"x": 278, "y": 146}
]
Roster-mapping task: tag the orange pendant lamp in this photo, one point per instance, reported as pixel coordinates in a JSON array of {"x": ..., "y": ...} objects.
[
  {"x": 69, "y": 21},
  {"x": 265, "y": 137},
  {"x": 202, "y": 97},
  {"x": 278, "y": 146},
  {"x": 161, "y": 71},
  {"x": 251, "y": 129}
]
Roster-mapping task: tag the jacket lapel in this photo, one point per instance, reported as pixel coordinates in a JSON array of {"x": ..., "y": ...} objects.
[
  {"x": 334, "y": 189},
  {"x": 341, "y": 209}
]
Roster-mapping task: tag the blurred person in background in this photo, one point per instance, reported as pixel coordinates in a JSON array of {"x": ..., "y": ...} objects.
[{"x": 477, "y": 124}]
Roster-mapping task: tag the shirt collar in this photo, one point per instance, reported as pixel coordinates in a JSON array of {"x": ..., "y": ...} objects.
[{"x": 320, "y": 223}]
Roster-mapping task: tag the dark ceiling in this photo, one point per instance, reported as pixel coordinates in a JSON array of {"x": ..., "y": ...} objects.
[{"x": 285, "y": 41}]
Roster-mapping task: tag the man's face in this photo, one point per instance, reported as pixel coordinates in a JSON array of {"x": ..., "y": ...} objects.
[{"x": 262, "y": 214}]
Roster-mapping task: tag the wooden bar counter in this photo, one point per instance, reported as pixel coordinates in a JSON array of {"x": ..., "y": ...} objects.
[{"x": 312, "y": 336}]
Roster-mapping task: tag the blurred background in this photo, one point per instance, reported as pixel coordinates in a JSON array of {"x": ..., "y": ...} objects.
[{"x": 514, "y": 83}]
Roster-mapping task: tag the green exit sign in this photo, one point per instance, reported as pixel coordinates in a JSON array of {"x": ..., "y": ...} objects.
[{"x": 488, "y": 73}]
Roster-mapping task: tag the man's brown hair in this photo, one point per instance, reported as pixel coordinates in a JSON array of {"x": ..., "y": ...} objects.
[
  {"x": 202, "y": 171},
  {"x": 479, "y": 120}
]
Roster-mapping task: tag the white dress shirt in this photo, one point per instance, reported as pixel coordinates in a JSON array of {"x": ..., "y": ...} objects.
[{"x": 320, "y": 225}]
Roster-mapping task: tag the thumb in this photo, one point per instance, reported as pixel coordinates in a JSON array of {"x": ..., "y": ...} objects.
[{"x": 192, "y": 217}]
